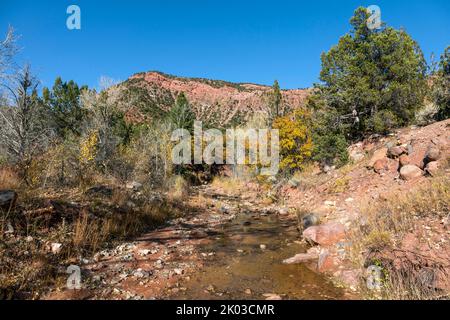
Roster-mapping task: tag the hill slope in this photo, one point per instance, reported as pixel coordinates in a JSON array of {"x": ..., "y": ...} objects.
[{"x": 216, "y": 102}]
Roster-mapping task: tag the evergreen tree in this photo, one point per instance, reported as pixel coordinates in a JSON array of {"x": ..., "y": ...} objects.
[
  {"x": 441, "y": 86},
  {"x": 63, "y": 103},
  {"x": 275, "y": 102},
  {"x": 373, "y": 71}
]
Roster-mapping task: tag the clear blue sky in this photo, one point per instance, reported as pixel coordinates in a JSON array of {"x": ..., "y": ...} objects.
[{"x": 234, "y": 40}]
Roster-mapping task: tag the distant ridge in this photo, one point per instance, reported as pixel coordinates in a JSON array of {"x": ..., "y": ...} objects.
[{"x": 217, "y": 102}]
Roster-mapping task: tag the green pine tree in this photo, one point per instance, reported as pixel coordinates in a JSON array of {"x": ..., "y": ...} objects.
[
  {"x": 373, "y": 71},
  {"x": 441, "y": 86},
  {"x": 275, "y": 103},
  {"x": 63, "y": 103}
]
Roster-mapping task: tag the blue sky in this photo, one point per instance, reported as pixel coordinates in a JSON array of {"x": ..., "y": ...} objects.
[{"x": 239, "y": 41}]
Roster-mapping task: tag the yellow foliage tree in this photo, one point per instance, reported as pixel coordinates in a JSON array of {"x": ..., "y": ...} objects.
[
  {"x": 88, "y": 148},
  {"x": 295, "y": 139}
]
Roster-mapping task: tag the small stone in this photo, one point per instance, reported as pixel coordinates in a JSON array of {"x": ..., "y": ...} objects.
[
  {"x": 144, "y": 252},
  {"x": 330, "y": 203},
  {"x": 378, "y": 154},
  {"x": 326, "y": 234},
  {"x": 178, "y": 271},
  {"x": 134, "y": 185},
  {"x": 29, "y": 239},
  {"x": 139, "y": 273},
  {"x": 395, "y": 152},
  {"x": 272, "y": 296},
  {"x": 56, "y": 247},
  {"x": 159, "y": 264},
  {"x": 433, "y": 153},
  {"x": 263, "y": 246},
  {"x": 432, "y": 168},
  {"x": 127, "y": 257},
  {"x": 410, "y": 172},
  {"x": 309, "y": 220},
  {"x": 248, "y": 291},
  {"x": 9, "y": 228},
  {"x": 404, "y": 160},
  {"x": 380, "y": 165},
  {"x": 224, "y": 210}
]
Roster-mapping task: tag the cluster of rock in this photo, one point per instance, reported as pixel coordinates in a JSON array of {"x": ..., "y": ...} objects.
[{"x": 406, "y": 161}]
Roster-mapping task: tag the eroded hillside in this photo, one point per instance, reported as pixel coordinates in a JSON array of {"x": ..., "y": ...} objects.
[{"x": 215, "y": 102}]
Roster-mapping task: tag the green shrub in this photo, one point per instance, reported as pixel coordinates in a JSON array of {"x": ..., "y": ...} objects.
[{"x": 384, "y": 121}]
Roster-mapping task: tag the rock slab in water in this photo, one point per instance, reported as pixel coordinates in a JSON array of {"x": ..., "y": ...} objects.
[
  {"x": 326, "y": 234},
  {"x": 302, "y": 257}
]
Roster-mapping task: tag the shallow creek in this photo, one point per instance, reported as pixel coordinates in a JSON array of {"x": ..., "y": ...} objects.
[{"x": 247, "y": 264}]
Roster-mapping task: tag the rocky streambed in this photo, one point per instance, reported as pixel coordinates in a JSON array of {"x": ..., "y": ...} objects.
[
  {"x": 233, "y": 249},
  {"x": 247, "y": 263}
]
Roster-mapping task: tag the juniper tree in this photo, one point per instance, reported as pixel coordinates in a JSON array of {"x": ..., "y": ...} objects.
[
  {"x": 275, "y": 102},
  {"x": 441, "y": 86},
  {"x": 64, "y": 105},
  {"x": 372, "y": 71}
]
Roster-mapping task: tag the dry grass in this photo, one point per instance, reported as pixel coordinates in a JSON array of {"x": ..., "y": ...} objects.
[
  {"x": 9, "y": 178},
  {"x": 339, "y": 185},
  {"x": 91, "y": 232},
  {"x": 310, "y": 177},
  {"x": 204, "y": 202},
  {"x": 386, "y": 224},
  {"x": 397, "y": 215},
  {"x": 178, "y": 189},
  {"x": 119, "y": 197},
  {"x": 95, "y": 223},
  {"x": 231, "y": 186}
]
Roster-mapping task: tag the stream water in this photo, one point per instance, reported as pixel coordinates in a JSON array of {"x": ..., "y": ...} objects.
[{"x": 247, "y": 263}]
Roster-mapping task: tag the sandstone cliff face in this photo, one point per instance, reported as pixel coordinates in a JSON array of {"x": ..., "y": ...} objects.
[{"x": 213, "y": 101}]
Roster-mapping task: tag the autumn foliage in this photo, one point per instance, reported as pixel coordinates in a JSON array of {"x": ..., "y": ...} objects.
[{"x": 295, "y": 139}]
